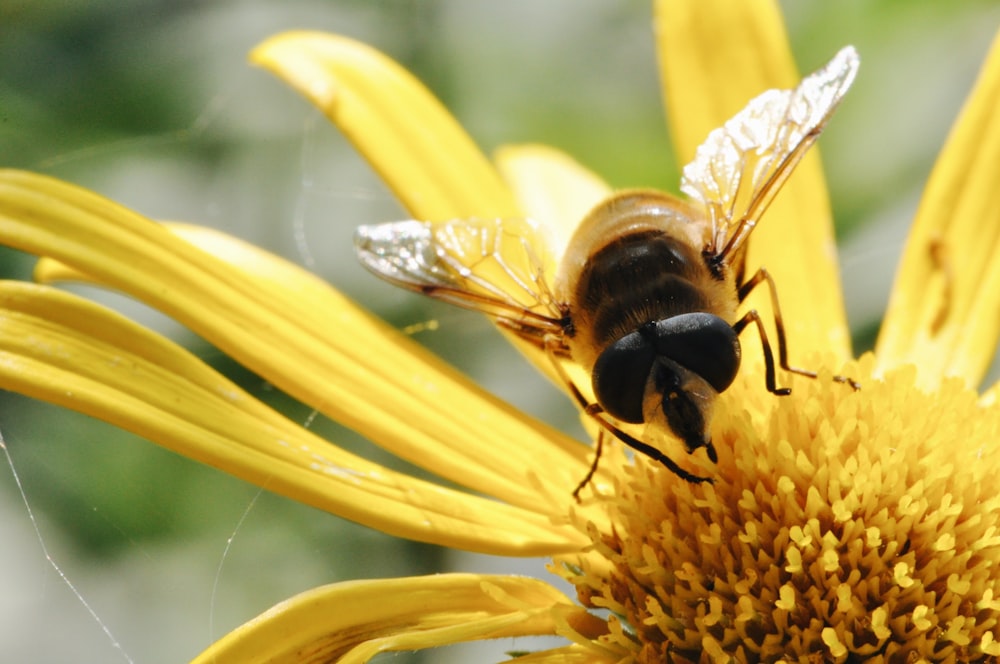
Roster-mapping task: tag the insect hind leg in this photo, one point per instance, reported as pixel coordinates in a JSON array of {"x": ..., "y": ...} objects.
[{"x": 763, "y": 276}]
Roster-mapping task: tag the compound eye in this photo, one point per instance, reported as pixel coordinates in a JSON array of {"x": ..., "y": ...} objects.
[
  {"x": 620, "y": 376},
  {"x": 702, "y": 343}
]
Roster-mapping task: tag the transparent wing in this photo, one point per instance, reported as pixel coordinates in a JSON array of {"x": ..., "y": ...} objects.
[
  {"x": 496, "y": 267},
  {"x": 740, "y": 167}
]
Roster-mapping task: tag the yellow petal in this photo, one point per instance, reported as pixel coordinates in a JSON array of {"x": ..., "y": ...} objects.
[
  {"x": 408, "y": 137},
  {"x": 356, "y": 620},
  {"x": 414, "y": 144},
  {"x": 716, "y": 55},
  {"x": 555, "y": 190},
  {"x": 551, "y": 187},
  {"x": 68, "y": 351},
  {"x": 942, "y": 314},
  {"x": 305, "y": 338}
]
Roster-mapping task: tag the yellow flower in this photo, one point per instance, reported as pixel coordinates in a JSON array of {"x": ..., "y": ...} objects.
[{"x": 842, "y": 525}]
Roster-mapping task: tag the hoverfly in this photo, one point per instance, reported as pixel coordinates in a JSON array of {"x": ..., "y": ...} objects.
[{"x": 644, "y": 298}]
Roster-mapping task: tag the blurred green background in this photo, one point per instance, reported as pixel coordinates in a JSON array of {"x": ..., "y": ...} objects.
[{"x": 152, "y": 103}]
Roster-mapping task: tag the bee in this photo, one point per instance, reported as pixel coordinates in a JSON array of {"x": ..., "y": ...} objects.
[{"x": 644, "y": 296}]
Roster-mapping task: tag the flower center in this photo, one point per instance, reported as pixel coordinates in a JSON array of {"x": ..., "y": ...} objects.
[{"x": 841, "y": 525}]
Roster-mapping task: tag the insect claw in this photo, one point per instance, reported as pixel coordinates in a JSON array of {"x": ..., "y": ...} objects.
[{"x": 855, "y": 385}]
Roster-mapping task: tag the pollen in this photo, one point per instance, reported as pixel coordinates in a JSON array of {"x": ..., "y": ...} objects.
[{"x": 841, "y": 526}]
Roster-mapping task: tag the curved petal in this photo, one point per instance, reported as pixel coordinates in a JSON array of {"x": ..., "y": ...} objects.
[
  {"x": 715, "y": 56},
  {"x": 69, "y": 351},
  {"x": 354, "y": 621},
  {"x": 551, "y": 187},
  {"x": 942, "y": 315},
  {"x": 404, "y": 132},
  {"x": 305, "y": 338},
  {"x": 555, "y": 190}
]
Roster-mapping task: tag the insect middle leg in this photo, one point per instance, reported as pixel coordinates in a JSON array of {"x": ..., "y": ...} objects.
[
  {"x": 769, "y": 374},
  {"x": 763, "y": 276}
]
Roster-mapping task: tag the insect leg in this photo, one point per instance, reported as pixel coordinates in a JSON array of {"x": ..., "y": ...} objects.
[
  {"x": 593, "y": 466},
  {"x": 762, "y": 275},
  {"x": 555, "y": 349},
  {"x": 595, "y": 411},
  {"x": 769, "y": 375}
]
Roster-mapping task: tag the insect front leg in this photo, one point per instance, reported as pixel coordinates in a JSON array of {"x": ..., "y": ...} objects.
[
  {"x": 763, "y": 276},
  {"x": 596, "y": 412}
]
